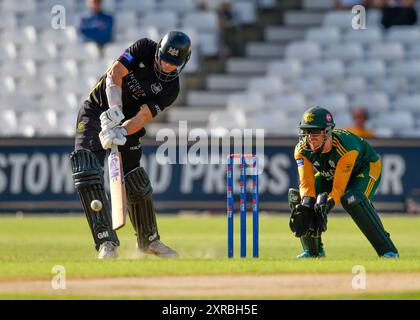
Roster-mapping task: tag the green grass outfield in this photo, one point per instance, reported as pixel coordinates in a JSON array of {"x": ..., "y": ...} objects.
[{"x": 30, "y": 246}]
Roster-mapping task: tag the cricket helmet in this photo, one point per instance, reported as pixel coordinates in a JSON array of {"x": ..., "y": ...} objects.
[
  {"x": 314, "y": 120},
  {"x": 173, "y": 48}
]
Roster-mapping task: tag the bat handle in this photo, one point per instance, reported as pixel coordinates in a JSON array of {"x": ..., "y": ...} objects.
[{"x": 114, "y": 148}]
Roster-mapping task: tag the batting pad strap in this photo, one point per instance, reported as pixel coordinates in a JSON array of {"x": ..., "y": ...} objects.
[
  {"x": 86, "y": 169},
  {"x": 138, "y": 185},
  {"x": 113, "y": 92}
]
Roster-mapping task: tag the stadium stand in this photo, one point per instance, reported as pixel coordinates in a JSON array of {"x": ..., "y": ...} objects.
[
  {"x": 51, "y": 71},
  {"x": 307, "y": 54},
  {"x": 326, "y": 62}
]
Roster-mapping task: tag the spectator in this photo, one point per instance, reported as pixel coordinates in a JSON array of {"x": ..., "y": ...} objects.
[
  {"x": 397, "y": 12},
  {"x": 95, "y": 25},
  {"x": 202, "y": 6},
  {"x": 360, "y": 117},
  {"x": 228, "y": 31}
]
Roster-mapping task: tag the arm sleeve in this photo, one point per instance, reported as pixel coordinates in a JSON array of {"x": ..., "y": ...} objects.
[
  {"x": 306, "y": 175},
  {"x": 342, "y": 175},
  {"x": 131, "y": 56}
]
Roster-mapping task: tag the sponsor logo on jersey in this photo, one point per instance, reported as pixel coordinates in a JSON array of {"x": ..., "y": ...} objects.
[
  {"x": 81, "y": 126},
  {"x": 134, "y": 87},
  {"x": 331, "y": 163},
  {"x": 328, "y": 175},
  {"x": 141, "y": 65},
  {"x": 136, "y": 147},
  {"x": 173, "y": 51},
  {"x": 299, "y": 162},
  {"x": 158, "y": 109},
  {"x": 156, "y": 87},
  {"x": 316, "y": 163},
  {"x": 127, "y": 56},
  {"x": 347, "y": 167}
]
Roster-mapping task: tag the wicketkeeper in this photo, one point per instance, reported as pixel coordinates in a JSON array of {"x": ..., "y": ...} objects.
[
  {"x": 348, "y": 171},
  {"x": 138, "y": 86}
]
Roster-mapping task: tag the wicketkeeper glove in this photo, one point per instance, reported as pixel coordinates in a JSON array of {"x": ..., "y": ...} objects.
[
  {"x": 111, "y": 118},
  {"x": 322, "y": 207},
  {"x": 302, "y": 217},
  {"x": 114, "y": 136}
]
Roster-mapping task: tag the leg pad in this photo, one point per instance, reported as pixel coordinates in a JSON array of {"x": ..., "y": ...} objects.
[
  {"x": 368, "y": 221},
  {"x": 89, "y": 184},
  {"x": 140, "y": 207}
]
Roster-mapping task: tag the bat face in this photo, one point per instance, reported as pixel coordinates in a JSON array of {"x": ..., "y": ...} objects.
[{"x": 117, "y": 189}]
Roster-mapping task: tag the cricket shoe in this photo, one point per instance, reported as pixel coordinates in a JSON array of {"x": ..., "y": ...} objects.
[
  {"x": 161, "y": 250},
  {"x": 306, "y": 254},
  {"x": 107, "y": 250},
  {"x": 391, "y": 255}
]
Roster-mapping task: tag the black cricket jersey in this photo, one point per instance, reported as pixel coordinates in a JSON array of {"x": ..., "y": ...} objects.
[{"x": 140, "y": 86}]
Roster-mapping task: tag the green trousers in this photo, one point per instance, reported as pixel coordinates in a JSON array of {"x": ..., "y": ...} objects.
[{"x": 366, "y": 181}]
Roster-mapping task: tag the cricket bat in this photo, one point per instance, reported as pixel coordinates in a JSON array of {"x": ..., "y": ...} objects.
[{"x": 117, "y": 188}]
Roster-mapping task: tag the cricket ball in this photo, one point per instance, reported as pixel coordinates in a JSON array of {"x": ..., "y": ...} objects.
[{"x": 96, "y": 205}]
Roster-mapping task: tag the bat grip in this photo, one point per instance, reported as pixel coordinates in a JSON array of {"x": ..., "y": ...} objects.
[{"x": 114, "y": 148}]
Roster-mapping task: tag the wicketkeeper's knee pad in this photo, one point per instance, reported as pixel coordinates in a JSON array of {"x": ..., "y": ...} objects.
[
  {"x": 368, "y": 221},
  {"x": 89, "y": 183},
  {"x": 140, "y": 206}
]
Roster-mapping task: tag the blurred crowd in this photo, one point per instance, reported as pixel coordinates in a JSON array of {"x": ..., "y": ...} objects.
[
  {"x": 96, "y": 26},
  {"x": 394, "y": 12},
  {"x": 360, "y": 117}
]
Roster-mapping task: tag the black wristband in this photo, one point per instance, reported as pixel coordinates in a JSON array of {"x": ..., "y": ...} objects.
[
  {"x": 330, "y": 205},
  {"x": 308, "y": 202}
]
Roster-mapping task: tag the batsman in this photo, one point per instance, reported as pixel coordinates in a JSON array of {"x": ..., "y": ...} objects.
[
  {"x": 138, "y": 86},
  {"x": 334, "y": 166}
]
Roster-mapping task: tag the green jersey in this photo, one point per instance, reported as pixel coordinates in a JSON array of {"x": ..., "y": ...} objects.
[
  {"x": 343, "y": 142},
  {"x": 348, "y": 157}
]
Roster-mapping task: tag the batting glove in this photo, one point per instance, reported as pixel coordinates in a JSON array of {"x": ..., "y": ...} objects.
[
  {"x": 111, "y": 118},
  {"x": 114, "y": 136}
]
